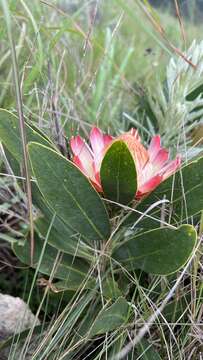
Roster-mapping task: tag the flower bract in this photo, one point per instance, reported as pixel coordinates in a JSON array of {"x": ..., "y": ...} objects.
[{"x": 152, "y": 165}]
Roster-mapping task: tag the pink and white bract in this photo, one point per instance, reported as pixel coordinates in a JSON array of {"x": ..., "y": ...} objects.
[
  {"x": 89, "y": 159},
  {"x": 152, "y": 164}
]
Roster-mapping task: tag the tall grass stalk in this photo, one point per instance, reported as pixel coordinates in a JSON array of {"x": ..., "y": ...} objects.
[{"x": 21, "y": 123}]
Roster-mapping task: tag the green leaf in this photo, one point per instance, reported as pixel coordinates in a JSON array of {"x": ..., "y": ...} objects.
[
  {"x": 110, "y": 289},
  {"x": 159, "y": 251},
  {"x": 185, "y": 195},
  {"x": 118, "y": 173},
  {"x": 146, "y": 351},
  {"x": 68, "y": 268},
  {"x": 111, "y": 318},
  {"x": 61, "y": 236},
  {"x": 14, "y": 164},
  {"x": 69, "y": 194},
  {"x": 10, "y": 134}
]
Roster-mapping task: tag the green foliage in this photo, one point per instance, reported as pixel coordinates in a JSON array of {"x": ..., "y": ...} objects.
[
  {"x": 110, "y": 289},
  {"x": 61, "y": 236},
  {"x": 10, "y": 134},
  {"x": 68, "y": 268},
  {"x": 111, "y": 318},
  {"x": 184, "y": 193},
  {"x": 176, "y": 111},
  {"x": 146, "y": 351},
  {"x": 77, "y": 70},
  {"x": 160, "y": 251},
  {"x": 118, "y": 173},
  {"x": 69, "y": 194}
]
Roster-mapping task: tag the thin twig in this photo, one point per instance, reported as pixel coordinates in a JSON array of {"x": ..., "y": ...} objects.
[
  {"x": 93, "y": 14},
  {"x": 162, "y": 32},
  {"x": 180, "y": 21}
]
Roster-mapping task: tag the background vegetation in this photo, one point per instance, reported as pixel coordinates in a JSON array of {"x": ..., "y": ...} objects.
[{"x": 88, "y": 62}]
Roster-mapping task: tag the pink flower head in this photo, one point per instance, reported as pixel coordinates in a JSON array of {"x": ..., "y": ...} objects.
[
  {"x": 152, "y": 165},
  {"x": 89, "y": 159}
]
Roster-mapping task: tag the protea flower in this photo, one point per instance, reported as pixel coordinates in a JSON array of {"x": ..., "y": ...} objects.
[
  {"x": 89, "y": 159},
  {"x": 152, "y": 164}
]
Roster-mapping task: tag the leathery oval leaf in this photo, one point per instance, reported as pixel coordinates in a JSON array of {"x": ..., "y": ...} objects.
[
  {"x": 69, "y": 193},
  {"x": 72, "y": 270},
  {"x": 184, "y": 196},
  {"x": 118, "y": 173},
  {"x": 11, "y": 138},
  {"x": 111, "y": 318},
  {"x": 160, "y": 251},
  {"x": 61, "y": 236}
]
